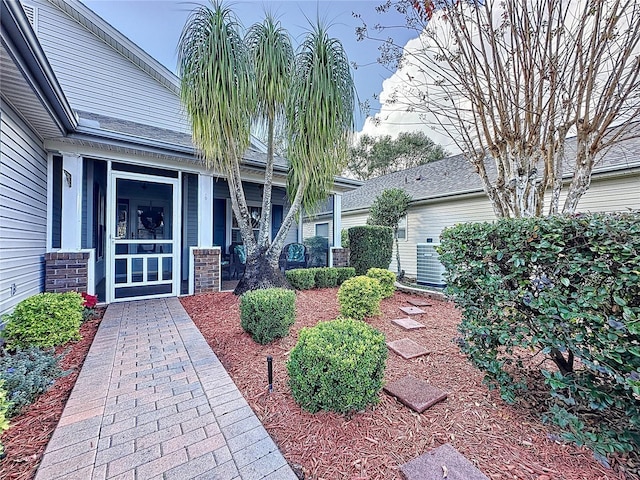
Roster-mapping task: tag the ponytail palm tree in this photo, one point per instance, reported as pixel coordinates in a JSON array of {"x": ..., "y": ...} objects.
[{"x": 230, "y": 83}]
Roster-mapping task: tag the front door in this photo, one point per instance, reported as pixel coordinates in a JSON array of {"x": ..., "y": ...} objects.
[{"x": 144, "y": 237}]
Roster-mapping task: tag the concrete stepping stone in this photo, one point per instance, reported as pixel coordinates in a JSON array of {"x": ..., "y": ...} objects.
[
  {"x": 444, "y": 462},
  {"x": 407, "y": 348},
  {"x": 412, "y": 310},
  {"x": 407, "y": 323},
  {"x": 418, "y": 302},
  {"x": 415, "y": 393}
]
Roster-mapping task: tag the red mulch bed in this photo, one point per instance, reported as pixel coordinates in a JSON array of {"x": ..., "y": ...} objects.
[
  {"x": 505, "y": 442},
  {"x": 29, "y": 433}
]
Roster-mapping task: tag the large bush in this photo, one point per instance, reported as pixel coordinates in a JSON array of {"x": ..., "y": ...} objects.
[
  {"x": 370, "y": 247},
  {"x": 267, "y": 314},
  {"x": 301, "y": 278},
  {"x": 26, "y": 375},
  {"x": 359, "y": 297},
  {"x": 337, "y": 366},
  {"x": 386, "y": 278},
  {"x": 562, "y": 288},
  {"x": 44, "y": 320}
]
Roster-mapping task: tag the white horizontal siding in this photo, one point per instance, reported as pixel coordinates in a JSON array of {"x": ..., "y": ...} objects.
[
  {"x": 96, "y": 78},
  {"x": 612, "y": 194},
  {"x": 23, "y": 210}
]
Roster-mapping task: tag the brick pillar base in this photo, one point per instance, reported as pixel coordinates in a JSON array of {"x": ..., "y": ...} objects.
[
  {"x": 340, "y": 257},
  {"x": 66, "y": 271},
  {"x": 206, "y": 270}
]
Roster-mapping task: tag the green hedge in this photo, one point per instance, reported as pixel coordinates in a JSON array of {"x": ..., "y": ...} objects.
[
  {"x": 345, "y": 273},
  {"x": 561, "y": 288},
  {"x": 301, "y": 278},
  {"x": 386, "y": 278},
  {"x": 337, "y": 366},
  {"x": 370, "y": 247},
  {"x": 267, "y": 314},
  {"x": 359, "y": 297},
  {"x": 44, "y": 320},
  {"x": 326, "y": 277}
]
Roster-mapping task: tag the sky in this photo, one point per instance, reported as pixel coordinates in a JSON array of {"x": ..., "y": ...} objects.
[{"x": 155, "y": 26}]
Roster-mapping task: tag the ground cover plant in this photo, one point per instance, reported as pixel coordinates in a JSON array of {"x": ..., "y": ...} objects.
[
  {"x": 504, "y": 441},
  {"x": 563, "y": 292}
]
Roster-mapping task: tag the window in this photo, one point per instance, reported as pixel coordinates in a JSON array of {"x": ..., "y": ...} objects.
[
  {"x": 322, "y": 230},
  {"x": 402, "y": 228}
]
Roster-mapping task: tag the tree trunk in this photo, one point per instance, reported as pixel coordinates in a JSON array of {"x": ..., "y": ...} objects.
[
  {"x": 259, "y": 274},
  {"x": 395, "y": 234}
]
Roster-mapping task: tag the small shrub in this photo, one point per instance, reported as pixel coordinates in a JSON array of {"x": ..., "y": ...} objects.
[
  {"x": 370, "y": 246},
  {"x": 4, "y": 405},
  {"x": 344, "y": 238},
  {"x": 44, "y": 320},
  {"x": 359, "y": 297},
  {"x": 267, "y": 314},
  {"x": 326, "y": 277},
  {"x": 337, "y": 366},
  {"x": 386, "y": 278},
  {"x": 301, "y": 278},
  {"x": 345, "y": 273},
  {"x": 26, "y": 375}
]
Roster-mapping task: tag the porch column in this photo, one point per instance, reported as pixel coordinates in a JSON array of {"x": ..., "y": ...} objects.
[
  {"x": 337, "y": 220},
  {"x": 71, "y": 215},
  {"x": 205, "y": 211}
]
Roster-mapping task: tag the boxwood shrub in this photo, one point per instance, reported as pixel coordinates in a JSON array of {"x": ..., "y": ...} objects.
[
  {"x": 386, "y": 278},
  {"x": 345, "y": 273},
  {"x": 301, "y": 278},
  {"x": 337, "y": 366},
  {"x": 370, "y": 246},
  {"x": 326, "y": 277},
  {"x": 359, "y": 297},
  {"x": 44, "y": 320},
  {"x": 267, "y": 314},
  {"x": 564, "y": 288}
]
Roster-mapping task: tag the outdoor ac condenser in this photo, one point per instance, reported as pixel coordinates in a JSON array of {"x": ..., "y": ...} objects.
[{"x": 430, "y": 270}]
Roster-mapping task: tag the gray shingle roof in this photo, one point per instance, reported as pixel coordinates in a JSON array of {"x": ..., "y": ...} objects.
[{"x": 455, "y": 175}]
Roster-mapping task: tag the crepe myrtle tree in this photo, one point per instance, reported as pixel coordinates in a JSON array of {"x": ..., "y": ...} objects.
[
  {"x": 231, "y": 82},
  {"x": 387, "y": 210},
  {"x": 509, "y": 81}
]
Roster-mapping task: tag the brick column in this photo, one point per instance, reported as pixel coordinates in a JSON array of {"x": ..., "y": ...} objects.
[
  {"x": 340, "y": 257},
  {"x": 206, "y": 269},
  {"x": 66, "y": 271}
]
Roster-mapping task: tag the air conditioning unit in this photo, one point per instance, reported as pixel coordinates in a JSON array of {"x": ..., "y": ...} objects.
[{"x": 430, "y": 270}]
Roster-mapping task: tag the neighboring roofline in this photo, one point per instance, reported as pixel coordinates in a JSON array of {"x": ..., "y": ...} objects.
[{"x": 22, "y": 37}]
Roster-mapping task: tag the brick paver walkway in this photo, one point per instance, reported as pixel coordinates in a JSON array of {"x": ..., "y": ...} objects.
[{"x": 153, "y": 401}]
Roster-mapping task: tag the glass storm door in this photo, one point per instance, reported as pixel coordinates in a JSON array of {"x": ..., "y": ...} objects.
[{"x": 144, "y": 236}]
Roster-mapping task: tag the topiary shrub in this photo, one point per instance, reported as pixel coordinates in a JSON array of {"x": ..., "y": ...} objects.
[
  {"x": 337, "y": 366},
  {"x": 44, "y": 320},
  {"x": 4, "y": 405},
  {"x": 326, "y": 277},
  {"x": 267, "y": 314},
  {"x": 301, "y": 278},
  {"x": 370, "y": 247},
  {"x": 345, "y": 273},
  {"x": 359, "y": 297},
  {"x": 26, "y": 375},
  {"x": 565, "y": 290},
  {"x": 386, "y": 278}
]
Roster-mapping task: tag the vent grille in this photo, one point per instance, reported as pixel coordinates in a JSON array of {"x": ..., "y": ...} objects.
[
  {"x": 430, "y": 270},
  {"x": 32, "y": 15}
]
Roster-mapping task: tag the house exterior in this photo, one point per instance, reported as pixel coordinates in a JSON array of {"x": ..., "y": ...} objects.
[
  {"x": 101, "y": 188},
  {"x": 448, "y": 192}
]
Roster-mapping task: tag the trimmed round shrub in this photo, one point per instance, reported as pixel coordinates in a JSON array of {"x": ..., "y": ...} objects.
[
  {"x": 345, "y": 273},
  {"x": 370, "y": 246},
  {"x": 301, "y": 278},
  {"x": 326, "y": 277},
  {"x": 386, "y": 278},
  {"x": 359, "y": 297},
  {"x": 337, "y": 366},
  {"x": 267, "y": 314},
  {"x": 44, "y": 320}
]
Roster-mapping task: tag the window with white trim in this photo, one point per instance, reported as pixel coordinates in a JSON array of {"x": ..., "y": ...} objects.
[
  {"x": 402, "y": 228},
  {"x": 322, "y": 230}
]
